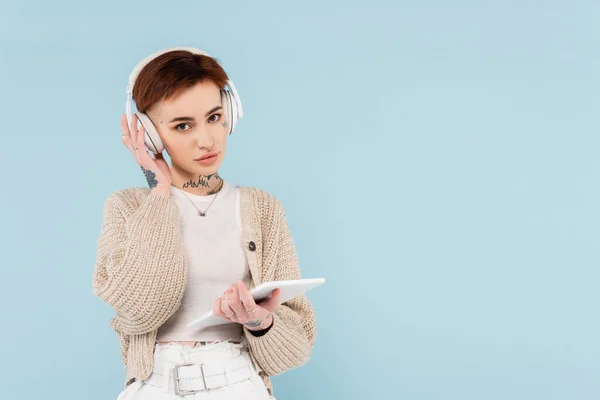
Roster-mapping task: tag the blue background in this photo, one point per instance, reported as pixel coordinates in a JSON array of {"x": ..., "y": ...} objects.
[{"x": 437, "y": 162}]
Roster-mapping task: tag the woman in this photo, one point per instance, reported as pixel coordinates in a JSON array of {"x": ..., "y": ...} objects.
[{"x": 192, "y": 243}]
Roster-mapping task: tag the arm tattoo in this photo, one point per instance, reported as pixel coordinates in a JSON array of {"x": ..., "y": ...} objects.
[
  {"x": 150, "y": 177},
  {"x": 253, "y": 324}
]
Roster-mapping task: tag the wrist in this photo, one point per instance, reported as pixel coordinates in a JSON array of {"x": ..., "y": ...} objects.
[
  {"x": 268, "y": 322},
  {"x": 265, "y": 325},
  {"x": 162, "y": 190}
]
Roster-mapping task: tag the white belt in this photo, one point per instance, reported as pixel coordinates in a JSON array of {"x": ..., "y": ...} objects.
[{"x": 191, "y": 377}]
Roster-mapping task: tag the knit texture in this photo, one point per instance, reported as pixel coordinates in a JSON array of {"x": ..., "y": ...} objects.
[{"x": 141, "y": 272}]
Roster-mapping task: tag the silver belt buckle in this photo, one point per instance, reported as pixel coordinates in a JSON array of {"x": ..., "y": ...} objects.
[{"x": 176, "y": 378}]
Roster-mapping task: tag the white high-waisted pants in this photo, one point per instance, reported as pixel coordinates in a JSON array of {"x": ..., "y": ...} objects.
[{"x": 250, "y": 389}]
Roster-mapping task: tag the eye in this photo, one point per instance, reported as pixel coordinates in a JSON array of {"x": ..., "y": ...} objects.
[
  {"x": 183, "y": 124},
  {"x": 212, "y": 119}
]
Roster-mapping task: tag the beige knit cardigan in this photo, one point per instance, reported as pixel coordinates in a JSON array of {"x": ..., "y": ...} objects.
[{"x": 141, "y": 272}]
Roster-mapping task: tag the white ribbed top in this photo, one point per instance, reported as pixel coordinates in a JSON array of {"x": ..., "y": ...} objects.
[{"x": 216, "y": 260}]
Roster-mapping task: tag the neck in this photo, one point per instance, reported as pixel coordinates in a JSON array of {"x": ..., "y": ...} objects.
[{"x": 200, "y": 185}]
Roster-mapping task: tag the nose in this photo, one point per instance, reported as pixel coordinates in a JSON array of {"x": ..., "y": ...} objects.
[{"x": 204, "y": 138}]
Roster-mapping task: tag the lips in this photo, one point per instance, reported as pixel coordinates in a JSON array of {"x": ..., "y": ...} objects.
[{"x": 208, "y": 155}]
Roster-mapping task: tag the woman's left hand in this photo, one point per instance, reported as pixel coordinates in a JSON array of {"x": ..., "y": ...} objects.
[{"x": 237, "y": 305}]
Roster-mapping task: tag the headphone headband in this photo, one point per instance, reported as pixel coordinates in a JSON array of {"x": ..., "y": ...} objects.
[{"x": 145, "y": 61}]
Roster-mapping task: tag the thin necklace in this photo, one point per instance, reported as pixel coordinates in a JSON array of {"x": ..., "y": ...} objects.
[{"x": 202, "y": 213}]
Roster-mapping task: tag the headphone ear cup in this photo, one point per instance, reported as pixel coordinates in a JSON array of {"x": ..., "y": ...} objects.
[
  {"x": 151, "y": 139},
  {"x": 228, "y": 106},
  {"x": 234, "y": 111}
]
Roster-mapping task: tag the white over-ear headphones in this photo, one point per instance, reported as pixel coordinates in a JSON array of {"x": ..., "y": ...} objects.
[{"x": 229, "y": 99}]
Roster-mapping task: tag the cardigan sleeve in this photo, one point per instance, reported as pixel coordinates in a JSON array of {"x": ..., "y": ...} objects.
[
  {"x": 289, "y": 342},
  {"x": 140, "y": 262}
]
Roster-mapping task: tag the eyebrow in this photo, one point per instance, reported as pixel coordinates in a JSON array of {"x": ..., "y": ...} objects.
[{"x": 192, "y": 118}]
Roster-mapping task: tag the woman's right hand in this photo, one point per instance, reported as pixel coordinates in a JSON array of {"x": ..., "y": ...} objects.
[{"x": 155, "y": 168}]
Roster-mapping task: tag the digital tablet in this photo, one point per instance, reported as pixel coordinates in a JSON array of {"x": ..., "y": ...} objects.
[{"x": 289, "y": 290}]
